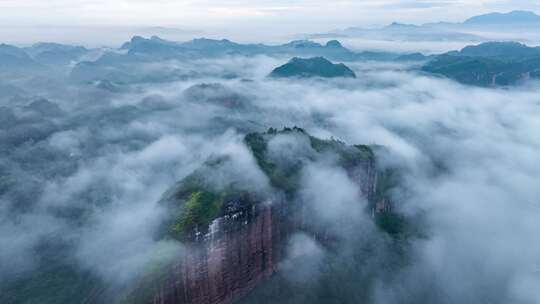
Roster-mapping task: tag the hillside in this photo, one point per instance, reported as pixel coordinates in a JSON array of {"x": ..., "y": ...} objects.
[
  {"x": 488, "y": 64},
  {"x": 312, "y": 67}
]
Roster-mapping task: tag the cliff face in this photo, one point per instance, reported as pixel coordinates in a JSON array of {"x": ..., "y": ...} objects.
[
  {"x": 243, "y": 248},
  {"x": 237, "y": 254}
]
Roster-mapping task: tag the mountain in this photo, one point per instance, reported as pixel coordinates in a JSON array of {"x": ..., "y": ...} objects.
[
  {"x": 237, "y": 235},
  {"x": 514, "y": 17},
  {"x": 15, "y": 58},
  {"x": 139, "y": 40},
  {"x": 42, "y": 58},
  {"x": 438, "y": 31},
  {"x": 45, "y": 108},
  {"x": 488, "y": 64},
  {"x": 154, "y": 46},
  {"x": 402, "y": 32},
  {"x": 203, "y": 47},
  {"x": 216, "y": 94},
  {"x": 200, "y": 47},
  {"x": 414, "y": 57},
  {"x": 136, "y": 59},
  {"x": 55, "y": 53},
  {"x": 312, "y": 67},
  {"x": 501, "y": 50}
]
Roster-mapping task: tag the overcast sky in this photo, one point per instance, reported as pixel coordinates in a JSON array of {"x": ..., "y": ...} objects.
[{"x": 239, "y": 15}]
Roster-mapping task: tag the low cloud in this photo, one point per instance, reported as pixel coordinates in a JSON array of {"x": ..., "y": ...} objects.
[{"x": 93, "y": 177}]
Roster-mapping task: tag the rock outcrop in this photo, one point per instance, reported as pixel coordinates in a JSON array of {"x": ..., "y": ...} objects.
[
  {"x": 244, "y": 243},
  {"x": 235, "y": 256},
  {"x": 312, "y": 67}
]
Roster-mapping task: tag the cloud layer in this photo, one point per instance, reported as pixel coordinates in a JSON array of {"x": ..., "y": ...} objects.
[{"x": 89, "y": 180}]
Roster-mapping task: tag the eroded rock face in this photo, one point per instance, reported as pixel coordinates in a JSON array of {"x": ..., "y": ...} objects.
[
  {"x": 243, "y": 247},
  {"x": 236, "y": 255}
]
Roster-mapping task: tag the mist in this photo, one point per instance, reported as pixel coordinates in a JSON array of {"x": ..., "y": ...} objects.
[{"x": 84, "y": 182}]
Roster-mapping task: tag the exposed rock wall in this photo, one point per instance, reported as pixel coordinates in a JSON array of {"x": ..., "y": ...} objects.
[{"x": 241, "y": 250}]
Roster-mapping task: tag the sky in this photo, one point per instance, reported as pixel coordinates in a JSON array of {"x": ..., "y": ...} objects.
[{"x": 23, "y": 20}]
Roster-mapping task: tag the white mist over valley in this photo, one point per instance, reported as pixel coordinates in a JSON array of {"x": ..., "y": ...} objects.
[{"x": 364, "y": 164}]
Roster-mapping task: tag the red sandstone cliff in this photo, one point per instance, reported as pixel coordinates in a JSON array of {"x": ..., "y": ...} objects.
[{"x": 240, "y": 251}]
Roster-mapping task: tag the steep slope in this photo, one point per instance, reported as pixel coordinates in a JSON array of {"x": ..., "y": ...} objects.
[
  {"x": 312, "y": 67},
  {"x": 504, "y": 51},
  {"x": 55, "y": 53},
  {"x": 237, "y": 236},
  {"x": 14, "y": 58},
  {"x": 489, "y": 64},
  {"x": 513, "y": 17}
]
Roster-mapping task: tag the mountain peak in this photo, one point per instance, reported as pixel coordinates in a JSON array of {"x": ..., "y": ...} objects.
[
  {"x": 508, "y": 50},
  {"x": 135, "y": 39},
  {"x": 513, "y": 17},
  {"x": 397, "y": 25},
  {"x": 303, "y": 44},
  {"x": 12, "y": 50},
  {"x": 132, "y": 41},
  {"x": 312, "y": 67},
  {"x": 334, "y": 44}
]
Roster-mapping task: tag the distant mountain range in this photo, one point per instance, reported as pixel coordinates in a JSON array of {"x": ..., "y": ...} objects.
[
  {"x": 514, "y": 17},
  {"x": 489, "y": 64},
  {"x": 135, "y": 61},
  {"x": 54, "y": 53},
  {"x": 123, "y": 65},
  {"x": 441, "y": 31},
  {"x": 151, "y": 60},
  {"x": 13, "y": 58},
  {"x": 400, "y": 31},
  {"x": 39, "y": 57}
]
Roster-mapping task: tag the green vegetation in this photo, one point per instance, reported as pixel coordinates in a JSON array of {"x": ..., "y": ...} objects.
[
  {"x": 283, "y": 178},
  {"x": 196, "y": 202},
  {"x": 201, "y": 202},
  {"x": 57, "y": 280},
  {"x": 387, "y": 180},
  {"x": 349, "y": 156},
  {"x": 503, "y": 51},
  {"x": 286, "y": 177},
  {"x": 312, "y": 67},
  {"x": 477, "y": 71},
  {"x": 391, "y": 223},
  {"x": 6, "y": 182},
  {"x": 200, "y": 210},
  {"x": 488, "y": 64}
]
